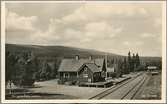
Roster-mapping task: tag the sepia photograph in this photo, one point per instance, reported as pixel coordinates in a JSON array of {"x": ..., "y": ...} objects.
[{"x": 83, "y": 51}]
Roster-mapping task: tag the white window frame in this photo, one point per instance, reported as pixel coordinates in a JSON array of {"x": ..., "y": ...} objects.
[
  {"x": 85, "y": 75},
  {"x": 85, "y": 69},
  {"x": 66, "y": 75}
]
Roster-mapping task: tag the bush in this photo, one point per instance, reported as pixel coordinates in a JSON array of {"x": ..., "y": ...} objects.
[
  {"x": 74, "y": 82},
  {"x": 140, "y": 68},
  {"x": 112, "y": 74},
  {"x": 24, "y": 82},
  {"x": 77, "y": 83},
  {"x": 60, "y": 81},
  {"x": 68, "y": 83},
  {"x": 24, "y": 70}
]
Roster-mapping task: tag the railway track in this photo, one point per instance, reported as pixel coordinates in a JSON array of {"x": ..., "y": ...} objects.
[
  {"x": 129, "y": 94},
  {"x": 132, "y": 92}
]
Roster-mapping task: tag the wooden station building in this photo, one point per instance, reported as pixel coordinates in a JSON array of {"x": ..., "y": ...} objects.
[{"x": 82, "y": 70}]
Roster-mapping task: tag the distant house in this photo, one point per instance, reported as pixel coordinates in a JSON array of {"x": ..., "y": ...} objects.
[
  {"x": 152, "y": 68},
  {"x": 111, "y": 72},
  {"x": 82, "y": 70}
]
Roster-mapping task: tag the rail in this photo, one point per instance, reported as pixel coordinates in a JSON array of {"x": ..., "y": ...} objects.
[
  {"x": 126, "y": 96},
  {"x": 112, "y": 89}
]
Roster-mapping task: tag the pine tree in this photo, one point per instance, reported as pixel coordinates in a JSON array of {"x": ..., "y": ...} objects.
[
  {"x": 119, "y": 71},
  {"x": 125, "y": 66},
  {"x": 137, "y": 60},
  {"x": 129, "y": 62},
  {"x": 133, "y": 62}
]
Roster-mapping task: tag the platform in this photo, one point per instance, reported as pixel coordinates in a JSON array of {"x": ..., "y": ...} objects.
[{"x": 104, "y": 84}]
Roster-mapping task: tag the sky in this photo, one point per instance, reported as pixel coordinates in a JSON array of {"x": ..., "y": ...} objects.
[{"x": 112, "y": 27}]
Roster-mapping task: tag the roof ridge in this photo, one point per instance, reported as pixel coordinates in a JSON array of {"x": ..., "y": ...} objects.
[{"x": 89, "y": 63}]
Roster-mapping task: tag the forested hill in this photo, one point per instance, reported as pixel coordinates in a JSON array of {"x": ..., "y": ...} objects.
[
  {"x": 69, "y": 52},
  {"x": 57, "y": 51},
  {"x": 44, "y": 66}
]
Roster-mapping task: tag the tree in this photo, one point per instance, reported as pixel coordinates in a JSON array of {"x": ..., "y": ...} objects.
[
  {"x": 133, "y": 62},
  {"x": 119, "y": 67},
  {"x": 137, "y": 60},
  {"x": 45, "y": 73},
  {"x": 125, "y": 66},
  {"x": 31, "y": 67},
  {"x": 24, "y": 70},
  {"x": 10, "y": 61},
  {"x": 130, "y": 62}
]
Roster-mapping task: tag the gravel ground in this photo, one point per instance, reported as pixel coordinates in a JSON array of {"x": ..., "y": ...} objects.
[
  {"x": 66, "y": 91},
  {"x": 152, "y": 90},
  {"x": 52, "y": 87}
]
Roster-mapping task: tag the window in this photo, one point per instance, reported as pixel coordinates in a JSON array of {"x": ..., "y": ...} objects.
[
  {"x": 66, "y": 75},
  {"x": 85, "y": 69},
  {"x": 89, "y": 80},
  {"x": 85, "y": 73}
]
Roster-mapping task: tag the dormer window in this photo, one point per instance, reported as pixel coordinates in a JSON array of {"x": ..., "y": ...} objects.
[
  {"x": 85, "y": 73},
  {"x": 77, "y": 57},
  {"x": 85, "y": 69}
]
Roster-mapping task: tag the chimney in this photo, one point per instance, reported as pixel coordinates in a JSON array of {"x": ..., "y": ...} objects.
[
  {"x": 76, "y": 57},
  {"x": 90, "y": 57}
]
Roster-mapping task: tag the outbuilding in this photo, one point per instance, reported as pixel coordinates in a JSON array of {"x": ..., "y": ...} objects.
[{"x": 153, "y": 70}]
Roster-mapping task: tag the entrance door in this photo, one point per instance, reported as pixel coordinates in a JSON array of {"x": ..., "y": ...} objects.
[{"x": 89, "y": 80}]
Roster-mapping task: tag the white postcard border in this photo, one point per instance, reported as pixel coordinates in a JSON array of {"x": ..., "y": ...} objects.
[{"x": 163, "y": 93}]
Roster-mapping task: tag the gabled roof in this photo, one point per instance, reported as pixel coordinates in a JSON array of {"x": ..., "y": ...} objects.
[
  {"x": 73, "y": 65},
  {"x": 93, "y": 67}
]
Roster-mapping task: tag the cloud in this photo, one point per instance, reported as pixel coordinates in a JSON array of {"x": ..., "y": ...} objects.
[
  {"x": 86, "y": 23},
  {"x": 88, "y": 12},
  {"x": 129, "y": 26},
  {"x": 62, "y": 31},
  {"x": 126, "y": 43},
  {"x": 132, "y": 44},
  {"x": 138, "y": 43},
  {"x": 157, "y": 22},
  {"x": 101, "y": 30},
  {"x": 147, "y": 35},
  {"x": 71, "y": 33},
  {"x": 17, "y": 22},
  {"x": 143, "y": 11}
]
